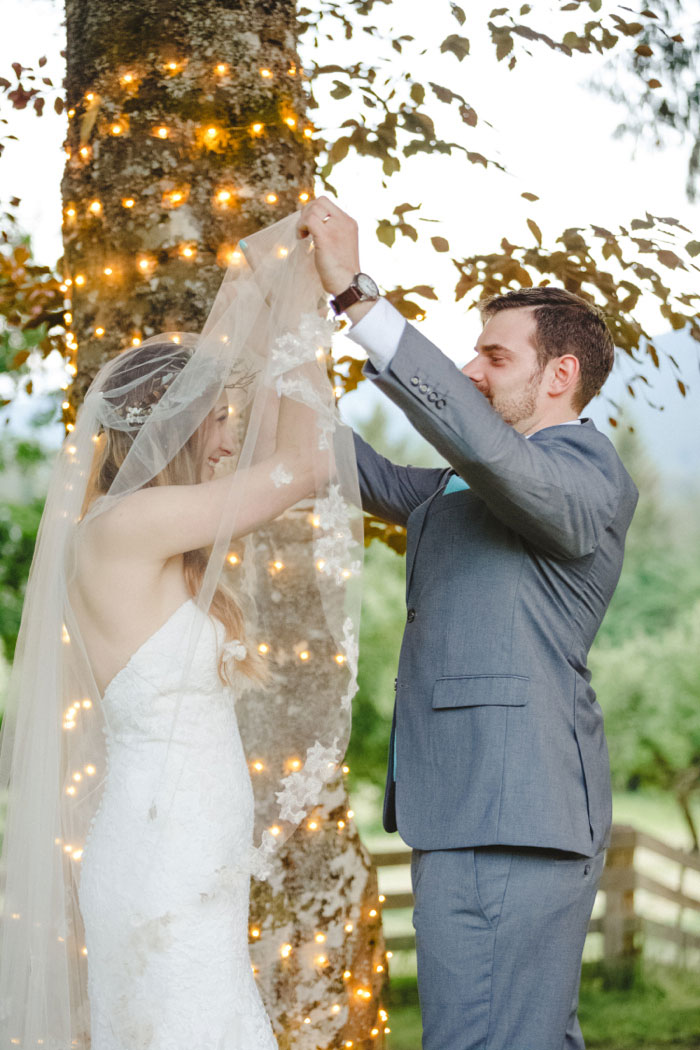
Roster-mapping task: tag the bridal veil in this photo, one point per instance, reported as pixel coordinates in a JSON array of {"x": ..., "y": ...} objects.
[{"x": 266, "y": 338}]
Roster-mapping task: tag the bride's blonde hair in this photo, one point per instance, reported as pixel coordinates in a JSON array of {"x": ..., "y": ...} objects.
[{"x": 111, "y": 449}]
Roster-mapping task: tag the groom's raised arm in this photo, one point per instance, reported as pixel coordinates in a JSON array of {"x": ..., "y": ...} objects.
[
  {"x": 558, "y": 489},
  {"x": 389, "y": 491}
]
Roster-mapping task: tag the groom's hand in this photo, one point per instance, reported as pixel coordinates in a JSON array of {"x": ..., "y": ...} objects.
[{"x": 337, "y": 254}]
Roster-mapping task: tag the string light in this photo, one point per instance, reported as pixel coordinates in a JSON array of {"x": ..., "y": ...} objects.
[
  {"x": 275, "y": 830},
  {"x": 347, "y": 975},
  {"x": 224, "y": 196},
  {"x": 313, "y": 826},
  {"x": 228, "y": 256},
  {"x": 286, "y": 951},
  {"x": 221, "y": 69},
  {"x": 117, "y": 128},
  {"x": 128, "y": 202},
  {"x": 128, "y": 79},
  {"x": 348, "y": 927},
  {"x": 382, "y": 898},
  {"x": 85, "y": 152},
  {"x": 341, "y": 825},
  {"x": 108, "y": 271},
  {"x": 161, "y": 132},
  {"x": 174, "y": 198},
  {"x": 282, "y": 253},
  {"x": 146, "y": 264},
  {"x": 304, "y": 655},
  {"x": 258, "y": 766},
  {"x": 90, "y": 97},
  {"x": 339, "y": 658},
  {"x": 263, "y": 648},
  {"x": 276, "y": 567},
  {"x": 266, "y": 74},
  {"x": 290, "y": 122},
  {"x": 346, "y": 769},
  {"x": 95, "y": 207},
  {"x": 255, "y": 932},
  {"x": 90, "y": 770},
  {"x": 188, "y": 251},
  {"x": 71, "y": 212},
  {"x": 257, "y": 129},
  {"x": 99, "y": 331},
  {"x": 320, "y": 938},
  {"x": 335, "y": 1008},
  {"x": 136, "y": 340},
  {"x": 308, "y": 133},
  {"x": 233, "y": 559},
  {"x": 271, "y": 198},
  {"x": 80, "y": 280}
]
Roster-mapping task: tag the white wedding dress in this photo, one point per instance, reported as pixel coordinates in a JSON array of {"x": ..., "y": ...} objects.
[{"x": 164, "y": 896}]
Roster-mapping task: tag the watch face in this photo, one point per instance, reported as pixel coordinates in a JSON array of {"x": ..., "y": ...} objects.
[{"x": 367, "y": 286}]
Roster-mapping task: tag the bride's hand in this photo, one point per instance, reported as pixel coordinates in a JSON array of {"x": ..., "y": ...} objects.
[{"x": 337, "y": 254}]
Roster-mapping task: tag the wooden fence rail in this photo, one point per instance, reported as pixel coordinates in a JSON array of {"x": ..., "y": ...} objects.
[{"x": 623, "y": 927}]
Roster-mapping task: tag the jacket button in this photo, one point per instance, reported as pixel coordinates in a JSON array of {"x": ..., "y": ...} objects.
[
  {"x": 432, "y": 396},
  {"x": 440, "y": 403},
  {"x": 415, "y": 380},
  {"x": 423, "y": 388},
  {"x": 411, "y": 615}
]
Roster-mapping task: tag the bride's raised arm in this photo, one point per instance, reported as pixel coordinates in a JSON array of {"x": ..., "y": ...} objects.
[{"x": 170, "y": 519}]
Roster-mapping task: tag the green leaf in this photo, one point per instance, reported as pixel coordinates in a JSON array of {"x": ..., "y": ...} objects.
[
  {"x": 386, "y": 233},
  {"x": 693, "y": 248},
  {"x": 535, "y": 230},
  {"x": 340, "y": 90},
  {"x": 339, "y": 150},
  {"x": 458, "y": 14},
  {"x": 418, "y": 94},
  {"x": 440, "y": 244},
  {"x": 458, "y": 45}
]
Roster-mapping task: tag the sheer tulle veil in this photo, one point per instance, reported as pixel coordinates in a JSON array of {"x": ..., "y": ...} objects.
[{"x": 267, "y": 338}]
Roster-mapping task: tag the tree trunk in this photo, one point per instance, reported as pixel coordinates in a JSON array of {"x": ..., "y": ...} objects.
[{"x": 187, "y": 132}]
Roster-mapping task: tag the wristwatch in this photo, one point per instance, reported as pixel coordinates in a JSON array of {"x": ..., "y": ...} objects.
[{"x": 362, "y": 289}]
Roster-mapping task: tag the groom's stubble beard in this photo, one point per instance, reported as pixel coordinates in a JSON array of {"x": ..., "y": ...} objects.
[{"x": 518, "y": 407}]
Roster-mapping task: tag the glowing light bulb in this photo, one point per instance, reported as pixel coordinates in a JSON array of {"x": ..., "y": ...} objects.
[
  {"x": 320, "y": 564},
  {"x": 282, "y": 253},
  {"x": 277, "y": 566},
  {"x": 348, "y": 927},
  {"x": 80, "y": 279},
  {"x": 65, "y": 405},
  {"x": 292, "y": 71},
  {"x": 295, "y": 764},
  {"x": 90, "y": 770},
  {"x": 136, "y": 340},
  {"x": 108, "y": 271},
  {"x": 286, "y": 951},
  {"x": 290, "y": 122},
  {"x": 73, "y": 371},
  {"x": 233, "y": 559},
  {"x": 312, "y": 825},
  {"x": 341, "y": 824},
  {"x": 128, "y": 78},
  {"x": 374, "y": 1032},
  {"x": 321, "y": 960},
  {"x": 373, "y": 913},
  {"x": 188, "y": 251},
  {"x": 304, "y": 655},
  {"x": 71, "y": 212},
  {"x": 212, "y": 133},
  {"x": 347, "y": 975},
  {"x": 339, "y": 658},
  {"x": 271, "y": 198},
  {"x": 128, "y": 202},
  {"x": 258, "y": 766},
  {"x": 99, "y": 332},
  {"x": 77, "y": 854},
  {"x": 320, "y": 938},
  {"x": 70, "y": 790},
  {"x": 303, "y": 197},
  {"x": 90, "y": 97},
  {"x": 71, "y": 113},
  {"x": 379, "y": 968},
  {"x": 335, "y": 1008},
  {"x": 382, "y": 898},
  {"x": 84, "y": 152},
  {"x": 255, "y": 932},
  {"x": 262, "y": 648},
  {"x": 161, "y": 132},
  {"x": 221, "y": 69},
  {"x": 308, "y": 133},
  {"x": 350, "y": 814},
  {"x": 146, "y": 264},
  {"x": 266, "y": 74},
  {"x": 116, "y": 129},
  {"x": 172, "y": 66},
  {"x": 77, "y": 777},
  {"x": 257, "y": 129},
  {"x": 275, "y": 830},
  {"x": 224, "y": 196}
]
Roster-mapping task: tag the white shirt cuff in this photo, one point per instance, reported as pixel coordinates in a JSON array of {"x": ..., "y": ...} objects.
[{"x": 379, "y": 333}]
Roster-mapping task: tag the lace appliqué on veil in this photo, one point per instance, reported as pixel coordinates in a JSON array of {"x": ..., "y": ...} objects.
[
  {"x": 304, "y": 787},
  {"x": 334, "y": 541}
]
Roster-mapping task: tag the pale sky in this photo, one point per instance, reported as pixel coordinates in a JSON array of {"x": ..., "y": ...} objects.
[{"x": 554, "y": 136}]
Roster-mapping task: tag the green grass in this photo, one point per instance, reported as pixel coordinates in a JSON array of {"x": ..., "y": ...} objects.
[{"x": 660, "y": 1011}]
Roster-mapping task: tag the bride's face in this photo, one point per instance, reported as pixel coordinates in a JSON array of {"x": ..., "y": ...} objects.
[{"x": 218, "y": 439}]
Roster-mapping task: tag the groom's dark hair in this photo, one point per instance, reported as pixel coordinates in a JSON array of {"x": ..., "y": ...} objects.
[{"x": 564, "y": 324}]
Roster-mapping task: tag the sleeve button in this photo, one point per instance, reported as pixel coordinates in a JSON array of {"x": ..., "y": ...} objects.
[
  {"x": 415, "y": 380},
  {"x": 440, "y": 403}
]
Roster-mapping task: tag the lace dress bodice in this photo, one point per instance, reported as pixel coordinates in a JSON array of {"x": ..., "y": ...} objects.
[{"x": 164, "y": 888}]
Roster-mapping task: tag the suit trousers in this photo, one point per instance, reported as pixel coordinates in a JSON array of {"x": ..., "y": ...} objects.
[{"x": 499, "y": 939}]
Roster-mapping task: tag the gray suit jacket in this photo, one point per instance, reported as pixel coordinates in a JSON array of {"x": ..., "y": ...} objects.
[{"x": 499, "y": 735}]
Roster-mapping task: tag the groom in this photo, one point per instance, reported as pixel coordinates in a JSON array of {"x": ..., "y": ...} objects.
[{"x": 498, "y": 767}]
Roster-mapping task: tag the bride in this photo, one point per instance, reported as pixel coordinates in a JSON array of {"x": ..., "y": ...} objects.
[{"x": 159, "y": 744}]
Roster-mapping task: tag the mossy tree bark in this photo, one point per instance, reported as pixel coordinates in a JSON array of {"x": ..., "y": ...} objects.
[{"x": 187, "y": 132}]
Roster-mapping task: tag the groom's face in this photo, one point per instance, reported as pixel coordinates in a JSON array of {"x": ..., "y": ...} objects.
[{"x": 506, "y": 369}]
